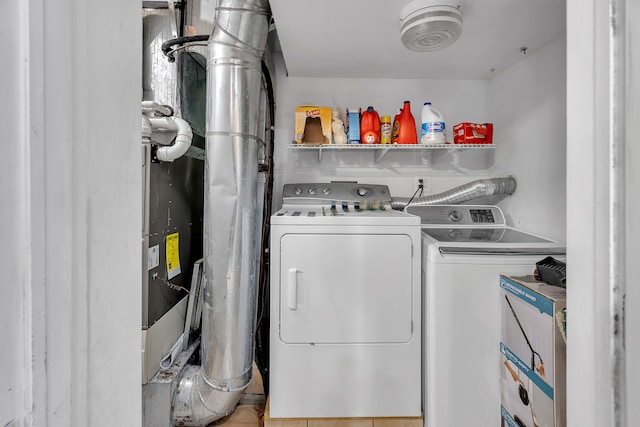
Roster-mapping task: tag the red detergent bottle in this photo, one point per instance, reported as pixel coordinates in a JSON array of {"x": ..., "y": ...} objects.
[
  {"x": 404, "y": 127},
  {"x": 395, "y": 127},
  {"x": 370, "y": 127}
]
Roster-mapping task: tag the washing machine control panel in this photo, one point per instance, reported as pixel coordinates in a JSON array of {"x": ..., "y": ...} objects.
[
  {"x": 455, "y": 215},
  {"x": 477, "y": 215}
]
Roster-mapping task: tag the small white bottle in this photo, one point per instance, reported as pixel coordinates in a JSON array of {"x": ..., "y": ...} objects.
[{"x": 433, "y": 128}]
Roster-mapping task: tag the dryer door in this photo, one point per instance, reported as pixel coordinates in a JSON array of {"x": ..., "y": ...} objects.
[{"x": 346, "y": 288}]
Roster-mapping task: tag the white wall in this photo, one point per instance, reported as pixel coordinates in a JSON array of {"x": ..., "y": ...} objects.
[
  {"x": 70, "y": 216},
  {"x": 13, "y": 213},
  {"x": 457, "y": 100},
  {"x": 632, "y": 159},
  {"x": 70, "y": 204},
  {"x": 589, "y": 382},
  {"x": 527, "y": 104},
  {"x": 602, "y": 232}
]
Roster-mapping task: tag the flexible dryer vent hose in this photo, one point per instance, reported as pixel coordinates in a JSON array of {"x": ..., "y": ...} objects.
[{"x": 470, "y": 191}]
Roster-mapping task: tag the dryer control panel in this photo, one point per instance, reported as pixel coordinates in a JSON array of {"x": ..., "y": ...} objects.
[{"x": 337, "y": 194}]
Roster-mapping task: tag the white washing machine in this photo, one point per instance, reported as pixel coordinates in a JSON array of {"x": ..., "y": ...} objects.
[
  {"x": 465, "y": 248},
  {"x": 345, "y": 304}
]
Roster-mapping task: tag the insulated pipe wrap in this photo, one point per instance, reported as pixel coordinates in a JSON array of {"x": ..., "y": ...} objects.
[
  {"x": 234, "y": 77},
  {"x": 470, "y": 191}
]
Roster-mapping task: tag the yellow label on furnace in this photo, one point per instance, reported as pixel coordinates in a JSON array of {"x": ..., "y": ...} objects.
[{"x": 173, "y": 255}]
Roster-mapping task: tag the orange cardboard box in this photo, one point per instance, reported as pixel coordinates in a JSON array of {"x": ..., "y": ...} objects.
[
  {"x": 313, "y": 125},
  {"x": 473, "y": 133}
]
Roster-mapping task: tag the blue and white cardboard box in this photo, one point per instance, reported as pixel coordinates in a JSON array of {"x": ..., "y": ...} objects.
[{"x": 532, "y": 353}]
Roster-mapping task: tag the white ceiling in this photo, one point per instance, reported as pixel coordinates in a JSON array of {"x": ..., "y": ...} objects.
[{"x": 361, "y": 38}]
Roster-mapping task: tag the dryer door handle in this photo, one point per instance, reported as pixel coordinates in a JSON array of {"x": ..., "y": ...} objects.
[{"x": 292, "y": 290}]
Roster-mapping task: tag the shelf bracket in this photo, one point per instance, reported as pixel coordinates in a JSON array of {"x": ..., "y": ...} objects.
[
  {"x": 436, "y": 155},
  {"x": 378, "y": 154}
]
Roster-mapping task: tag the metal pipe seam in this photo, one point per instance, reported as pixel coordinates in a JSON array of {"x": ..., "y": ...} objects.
[
  {"x": 234, "y": 63},
  {"x": 240, "y": 45},
  {"x": 208, "y": 390},
  {"x": 240, "y": 9},
  {"x": 238, "y": 383},
  {"x": 240, "y": 134}
]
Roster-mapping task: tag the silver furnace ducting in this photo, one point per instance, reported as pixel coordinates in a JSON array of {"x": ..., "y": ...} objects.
[{"x": 211, "y": 391}]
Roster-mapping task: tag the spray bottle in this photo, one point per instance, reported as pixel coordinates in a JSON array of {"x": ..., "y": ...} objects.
[{"x": 385, "y": 130}]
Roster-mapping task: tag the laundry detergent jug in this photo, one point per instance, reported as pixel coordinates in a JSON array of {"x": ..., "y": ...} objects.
[
  {"x": 370, "y": 127},
  {"x": 404, "y": 127}
]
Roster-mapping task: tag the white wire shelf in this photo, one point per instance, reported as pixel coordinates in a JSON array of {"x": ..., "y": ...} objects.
[{"x": 436, "y": 151}]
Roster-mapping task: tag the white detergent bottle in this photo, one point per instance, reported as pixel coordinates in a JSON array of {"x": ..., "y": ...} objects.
[{"x": 433, "y": 130}]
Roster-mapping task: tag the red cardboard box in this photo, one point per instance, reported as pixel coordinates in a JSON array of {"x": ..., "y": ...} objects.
[{"x": 473, "y": 133}]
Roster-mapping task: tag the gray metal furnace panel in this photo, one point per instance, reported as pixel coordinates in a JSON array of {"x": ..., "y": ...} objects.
[{"x": 174, "y": 206}]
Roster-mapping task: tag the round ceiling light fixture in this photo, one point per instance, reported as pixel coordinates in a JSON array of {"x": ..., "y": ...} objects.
[{"x": 429, "y": 25}]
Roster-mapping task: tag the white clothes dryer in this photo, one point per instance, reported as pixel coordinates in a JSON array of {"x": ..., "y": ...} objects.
[
  {"x": 345, "y": 304},
  {"x": 465, "y": 248}
]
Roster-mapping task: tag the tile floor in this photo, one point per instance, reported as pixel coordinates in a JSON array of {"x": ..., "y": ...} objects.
[{"x": 251, "y": 408}]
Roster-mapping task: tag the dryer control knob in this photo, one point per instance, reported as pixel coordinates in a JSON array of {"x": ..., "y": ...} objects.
[
  {"x": 312, "y": 191},
  {"x": 297, "y": 191},
  {"x": 362, "y": 191},
  {"x": 326, "y": 191},
  {"x": 455, "y": 216}
]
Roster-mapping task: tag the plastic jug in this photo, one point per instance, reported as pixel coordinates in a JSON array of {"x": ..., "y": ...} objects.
[
  {"x": 394, "y": 128},
  {"x": 404, "y": 127},
  {"x": 433, "y": 128},
  {"x": 370, "y": 127}
]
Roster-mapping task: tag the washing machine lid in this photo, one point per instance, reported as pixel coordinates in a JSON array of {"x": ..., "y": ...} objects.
[
  {"x": 503, "y": 235},
  {"x": 478, "y": 230},
  {"x": 490, "y": 241}
]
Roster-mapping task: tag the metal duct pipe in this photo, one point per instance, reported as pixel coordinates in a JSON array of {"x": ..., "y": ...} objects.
[
  {"x": 159, "y": 76},
  {"x": 463, "y": 193},
  {"x": 234, "y": 75}
]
